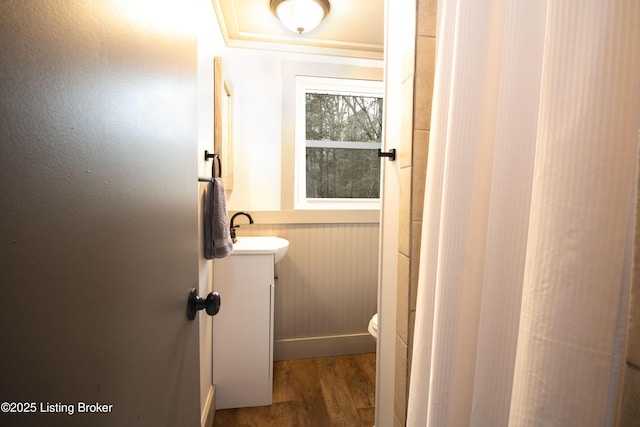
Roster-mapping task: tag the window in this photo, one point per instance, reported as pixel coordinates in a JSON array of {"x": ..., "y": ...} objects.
[{"x": 338, "y": 133}]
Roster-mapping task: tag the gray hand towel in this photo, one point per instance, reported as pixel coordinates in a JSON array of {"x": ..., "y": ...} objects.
[{"x": 217, "y": 239}]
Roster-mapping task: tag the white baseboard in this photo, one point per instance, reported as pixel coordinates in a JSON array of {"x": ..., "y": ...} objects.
[
  {"x": 206, "y": 419},
  {"x": 305, "y": 348}
]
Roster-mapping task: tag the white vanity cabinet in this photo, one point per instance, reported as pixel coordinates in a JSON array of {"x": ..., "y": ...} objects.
[{"x": 243, "y": 330}]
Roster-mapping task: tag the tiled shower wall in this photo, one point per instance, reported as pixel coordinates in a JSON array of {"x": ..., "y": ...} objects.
[
  {"x": 630, "y": 416},
  {"x": 413, "y": 174}
]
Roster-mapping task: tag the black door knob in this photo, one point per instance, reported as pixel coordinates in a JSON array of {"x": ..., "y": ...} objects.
[{"x": 211, "y": 304}]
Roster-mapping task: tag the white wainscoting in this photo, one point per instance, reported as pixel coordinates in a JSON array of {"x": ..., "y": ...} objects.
[{"x": 326, "y": 288}]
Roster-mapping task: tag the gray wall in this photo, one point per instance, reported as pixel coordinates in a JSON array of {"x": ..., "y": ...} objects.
[
  {"x": 98, "y": 243},
  {"x": 327, "y": 286}
]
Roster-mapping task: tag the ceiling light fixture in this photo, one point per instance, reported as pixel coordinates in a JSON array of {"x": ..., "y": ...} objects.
[{"x": 300, "y": 16}]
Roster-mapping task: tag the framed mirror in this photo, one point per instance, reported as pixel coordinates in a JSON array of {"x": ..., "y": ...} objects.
[{"x": 223, "y": 121}]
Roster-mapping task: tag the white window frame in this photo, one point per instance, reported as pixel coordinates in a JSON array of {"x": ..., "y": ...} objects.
[{"x": 338, "y": 86}]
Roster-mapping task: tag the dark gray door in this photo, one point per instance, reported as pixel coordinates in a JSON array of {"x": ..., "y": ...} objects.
[{"x": 98, "y": 242}]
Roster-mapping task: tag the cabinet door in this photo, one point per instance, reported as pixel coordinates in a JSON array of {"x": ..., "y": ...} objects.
[{"x": 242, "y": 347}]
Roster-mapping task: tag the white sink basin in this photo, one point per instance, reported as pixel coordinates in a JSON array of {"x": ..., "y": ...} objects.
[{"x": 254, "y": 245}]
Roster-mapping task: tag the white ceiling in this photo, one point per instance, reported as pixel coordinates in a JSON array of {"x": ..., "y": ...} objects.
[{"x": 353, "y": 28}]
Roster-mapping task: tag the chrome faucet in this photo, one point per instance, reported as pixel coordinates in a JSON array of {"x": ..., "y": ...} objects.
[{"x": 232, "y": 227}]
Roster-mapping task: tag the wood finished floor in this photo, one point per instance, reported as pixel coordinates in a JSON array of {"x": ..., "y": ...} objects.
[{"x": 321, "y": 392}]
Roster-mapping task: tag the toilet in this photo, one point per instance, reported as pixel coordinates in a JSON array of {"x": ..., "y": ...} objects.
[{"x": 373, "y": 326}]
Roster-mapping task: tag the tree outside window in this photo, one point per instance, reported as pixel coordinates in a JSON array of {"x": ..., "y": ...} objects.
[{"x": 342, "y": 135}]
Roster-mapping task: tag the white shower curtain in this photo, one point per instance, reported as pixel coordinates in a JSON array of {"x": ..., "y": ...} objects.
[{"x": 524, "y": 270}]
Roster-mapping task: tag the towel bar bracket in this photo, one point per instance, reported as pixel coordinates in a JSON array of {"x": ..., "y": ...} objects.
[{"x": 390, "y": 154}]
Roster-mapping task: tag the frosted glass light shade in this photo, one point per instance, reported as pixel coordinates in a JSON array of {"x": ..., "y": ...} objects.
[{"x": 300, "y": 16}]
